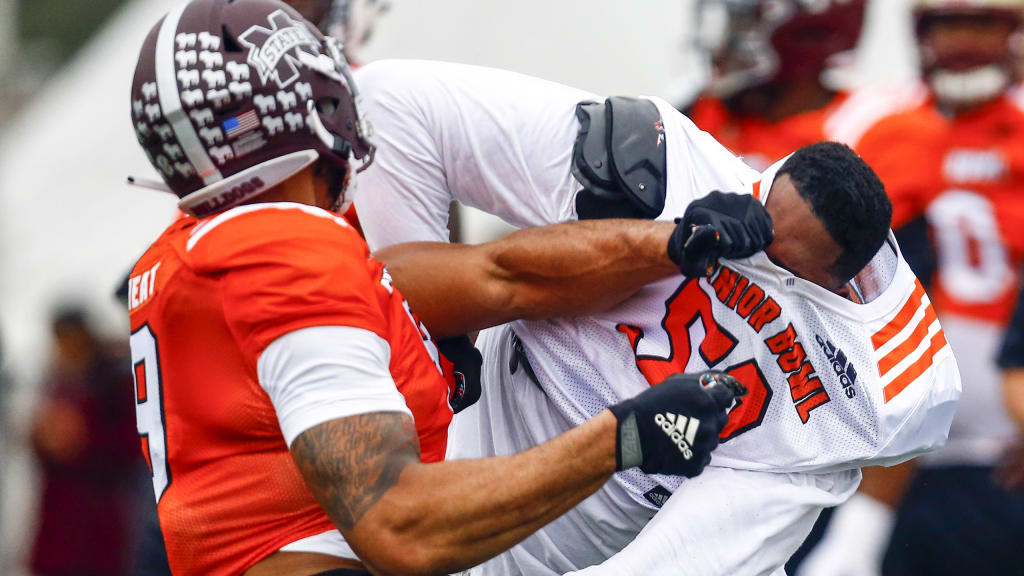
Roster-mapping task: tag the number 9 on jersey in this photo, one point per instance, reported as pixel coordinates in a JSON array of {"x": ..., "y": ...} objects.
[{"x": 149, "y": 412}]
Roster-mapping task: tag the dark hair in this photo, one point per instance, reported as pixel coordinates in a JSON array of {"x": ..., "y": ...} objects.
[{"x": 849, "y": 199}]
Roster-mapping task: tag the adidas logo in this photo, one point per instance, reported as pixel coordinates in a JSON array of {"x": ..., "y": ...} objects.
[
  {"x": 658, "y": 495},
  {"x": 840, "y": 365},
  {"x": 682, "y": 431}
]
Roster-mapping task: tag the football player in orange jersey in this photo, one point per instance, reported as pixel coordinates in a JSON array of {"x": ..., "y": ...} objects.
[
  {"x": 767, "y": 96},
  {"x": 291, "y": 407},
  {"x": 954, "y": 168}
]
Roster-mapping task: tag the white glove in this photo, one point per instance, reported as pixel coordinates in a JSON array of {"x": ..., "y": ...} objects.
[{"x": 854, "y": 542}]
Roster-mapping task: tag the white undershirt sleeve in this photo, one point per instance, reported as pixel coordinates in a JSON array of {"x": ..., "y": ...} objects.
[{"x": 322, "y": 373}]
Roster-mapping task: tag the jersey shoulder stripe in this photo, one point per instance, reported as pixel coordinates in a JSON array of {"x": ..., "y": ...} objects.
[
  {"x": 905, "y": 348},
  {"x": 207, "y": 226},
  {"x": 902, "y": 318},
  {"x": 913, "y": 331},
  {"x": 915, "y": 370}
]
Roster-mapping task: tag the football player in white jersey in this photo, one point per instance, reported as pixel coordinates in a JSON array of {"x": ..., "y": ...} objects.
[{"x": 828, "y": 329}]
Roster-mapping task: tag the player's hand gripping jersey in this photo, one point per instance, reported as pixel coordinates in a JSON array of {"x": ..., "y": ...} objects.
[
  {"x": 207, "y": 299},
  {"x": 834, "y": 385}
]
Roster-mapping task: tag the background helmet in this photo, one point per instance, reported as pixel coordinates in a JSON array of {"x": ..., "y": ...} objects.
[
  {"x": 968, "y": 75},
  {"x": 756, "y": 42},
  {"x": 350, "y": 21},
  {"x": 230, "y": 98}
]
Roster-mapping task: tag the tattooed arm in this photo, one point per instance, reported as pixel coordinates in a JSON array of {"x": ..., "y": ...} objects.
[
  {"x": 562, "y": 270},
  {"x": 365, "y": 472}
]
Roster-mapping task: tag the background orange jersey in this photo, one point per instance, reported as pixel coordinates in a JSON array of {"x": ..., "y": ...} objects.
[
  {"x": 762, "y": 143},
  {"x": 965, "y": 176},
  {"x": 206, "y": 299}
]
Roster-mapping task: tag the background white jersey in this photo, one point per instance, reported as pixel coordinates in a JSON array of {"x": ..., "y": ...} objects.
[{"x": 834, "y": 385}]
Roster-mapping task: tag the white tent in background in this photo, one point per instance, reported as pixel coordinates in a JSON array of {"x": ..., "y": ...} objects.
[{"x": 70, "y": 227}]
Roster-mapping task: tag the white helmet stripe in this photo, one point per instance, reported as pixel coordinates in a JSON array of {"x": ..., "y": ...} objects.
[{"x": 170, "y": 102}]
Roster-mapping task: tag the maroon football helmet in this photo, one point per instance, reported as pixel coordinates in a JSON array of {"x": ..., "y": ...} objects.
[
  {"x": 752, "y": 43},
  {"x": 230, "y": 98},
  {"x": 982, "y": 61}
]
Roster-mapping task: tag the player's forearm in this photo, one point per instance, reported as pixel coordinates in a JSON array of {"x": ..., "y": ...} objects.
[
  {"x": 486, "y": 506},
  {"x": 887, "y": 484},
  {"x": 1013, "y": 392},
  {"x": 564, "y": 270},
  {"x": 582, "y": 267},
  {"x": 403, "y": 517}
]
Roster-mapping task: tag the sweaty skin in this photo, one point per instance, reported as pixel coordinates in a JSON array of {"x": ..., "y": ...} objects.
[{"x": 801, "y": 245}]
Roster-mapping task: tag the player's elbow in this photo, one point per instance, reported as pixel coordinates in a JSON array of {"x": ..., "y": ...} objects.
[
  {"x": 403, "y": 554},
  {"x": 403, "y": 541},
  {"x": 507, "y": 294}
]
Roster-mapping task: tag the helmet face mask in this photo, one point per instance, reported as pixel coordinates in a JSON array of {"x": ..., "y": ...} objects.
[
  {"x": 753, "y": 43},
  {"x": 969, "y": 52},
  {"x": 738, "y": 42},
  {"x": 227, "y": 101}
]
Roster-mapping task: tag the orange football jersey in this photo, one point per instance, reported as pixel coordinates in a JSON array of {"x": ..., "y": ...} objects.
[
  {"x": 206, "y": 299},
  {"x": 965, "y": 175},
  {"x": 762, "y": 143}
]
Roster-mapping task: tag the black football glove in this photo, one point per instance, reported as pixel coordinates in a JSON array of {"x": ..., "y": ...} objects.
[
  {"x": 673, "y": 427},
  {"x": 461, "y": 363},
  {"x": 719, "y": 225}
]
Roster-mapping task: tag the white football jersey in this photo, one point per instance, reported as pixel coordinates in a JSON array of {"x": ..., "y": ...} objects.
[{"x": 833, "y": 384}]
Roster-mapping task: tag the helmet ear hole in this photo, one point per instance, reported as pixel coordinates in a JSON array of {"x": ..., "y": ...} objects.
[
  {"x": 230, "y": 44},
  {"x": 326, "y": 106}
]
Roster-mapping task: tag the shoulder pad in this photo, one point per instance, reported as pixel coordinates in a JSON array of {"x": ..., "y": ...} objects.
[
  {"x": 619, "y": 158},
  {"x": 638, "y": 158}
]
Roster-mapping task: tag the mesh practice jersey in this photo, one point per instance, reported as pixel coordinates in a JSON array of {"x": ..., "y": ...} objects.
[
  {"x": 833, "y": 384},
  {"x": 206, "y": 299}
]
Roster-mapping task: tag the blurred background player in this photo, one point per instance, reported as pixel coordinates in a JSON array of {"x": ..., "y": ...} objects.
[
  {"x": 350, "y": 21},
  {"x": 91, "y": 466},
  {"x": 769, "y": 92},
  {"x": 954, "y": 168}
]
